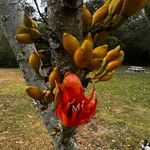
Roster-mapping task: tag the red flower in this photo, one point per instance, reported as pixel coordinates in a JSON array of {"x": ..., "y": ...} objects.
[{"x": 73, "y": 107}]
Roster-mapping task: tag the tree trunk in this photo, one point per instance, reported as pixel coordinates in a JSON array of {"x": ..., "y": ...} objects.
[{"x": 63, "y": 16}]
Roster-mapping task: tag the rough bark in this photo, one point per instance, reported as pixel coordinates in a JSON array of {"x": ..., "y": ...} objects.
[
  {"x": 10, "y": 17},
  {"x": 63, "y": 16}
]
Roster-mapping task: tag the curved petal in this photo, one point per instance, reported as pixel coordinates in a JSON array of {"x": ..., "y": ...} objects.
[
  {"x": 62, "y": 116},
  {"x": 72, "y": 84}
]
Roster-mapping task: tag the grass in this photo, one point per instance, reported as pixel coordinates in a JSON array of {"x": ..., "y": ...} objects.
[
  {"x": 20, "y": 126},
  {"x": 124, "y": 109},
  {"x": 121, "y": 123}
]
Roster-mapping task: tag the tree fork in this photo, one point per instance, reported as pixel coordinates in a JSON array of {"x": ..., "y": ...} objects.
[
  {"x": 61, "y": 19},
  {"x": 64, "y": 16}
]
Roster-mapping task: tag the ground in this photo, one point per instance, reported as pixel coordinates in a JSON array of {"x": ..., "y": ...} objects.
[{"x": 121, "y": 123}]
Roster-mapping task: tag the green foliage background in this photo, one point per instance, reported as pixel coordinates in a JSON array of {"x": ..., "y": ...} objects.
[
  {"x": 7, "y": 58},
  {"x": 135, "y": 35}
]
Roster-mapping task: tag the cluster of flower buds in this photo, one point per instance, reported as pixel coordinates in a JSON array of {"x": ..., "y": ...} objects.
[
  {"x": 112, "y": 13},
  {"x": 110, "y": 63},
  {"x": 44, "y": 97},
  {"x": 27, "y": 32},
  {"x": 100, "y": 61}
]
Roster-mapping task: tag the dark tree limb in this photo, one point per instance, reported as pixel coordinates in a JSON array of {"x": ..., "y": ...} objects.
[{"x": 41, "y": 15}]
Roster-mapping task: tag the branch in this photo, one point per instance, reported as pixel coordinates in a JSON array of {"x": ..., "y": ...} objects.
[
  {"x": 43, "y": 18},
  {"x": 65, "y": 139},
  {"x": 8, "y": 22}
]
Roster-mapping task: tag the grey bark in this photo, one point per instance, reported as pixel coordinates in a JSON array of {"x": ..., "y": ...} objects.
[
  {"x": 10, "y": 17},
  {"x": 63, "y": 16}
]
